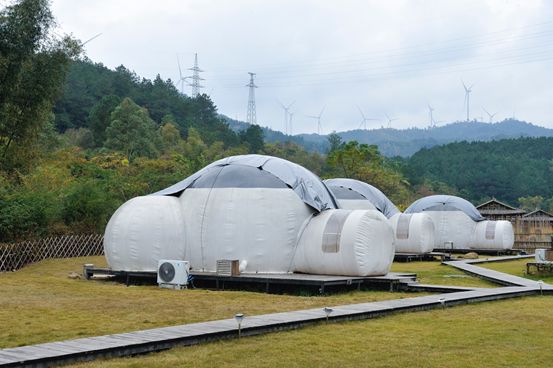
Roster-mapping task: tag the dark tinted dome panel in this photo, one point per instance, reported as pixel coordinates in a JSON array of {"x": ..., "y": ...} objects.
[
  {"x": 442, "y": 207},
  {"x": 238, "y": 176},
  {"x": 345, "y": 193}
]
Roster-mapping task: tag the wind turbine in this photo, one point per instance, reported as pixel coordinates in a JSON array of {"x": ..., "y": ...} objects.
[
  {"x": 291, "y": 114},
  {"x": 84, "y": 43},
  {"x": 490, "y": 115},
  {"x": 467, "y": 91},
  {"x": 285, "y": 114},
  {"x": 430, "y": 114},
  {"x": 364, "y": 122},
  {"x": 319, "y": 126},
  {"x": 389, "y": 120},
  {"x": 482, "y": 116},
  {"x": 182, "y": 79}
]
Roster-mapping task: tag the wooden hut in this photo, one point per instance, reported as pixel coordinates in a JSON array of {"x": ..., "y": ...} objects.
[{"x": 532, "y": 230}]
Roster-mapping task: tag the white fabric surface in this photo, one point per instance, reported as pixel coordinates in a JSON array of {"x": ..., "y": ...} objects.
[
  {"x": 366, "y": 246},
  {"x": 421, "y": 234},
  {"x": 144, "y": 230}
]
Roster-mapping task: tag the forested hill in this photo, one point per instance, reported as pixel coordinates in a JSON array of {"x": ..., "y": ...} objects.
[
  {"x": 506, "y": 169},
  {"x": 394, "y": 142},
  {"x": 273, "y": 136},
  {"x": 92, "y": 88},
  {"x": 92, "y": 91}
]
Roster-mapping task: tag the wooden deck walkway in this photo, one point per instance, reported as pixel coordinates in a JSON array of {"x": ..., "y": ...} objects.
[
  {"x": 391, "y": 280},
  {"x": 63, "y": 352},
  {"x": 495, "y": 276}
]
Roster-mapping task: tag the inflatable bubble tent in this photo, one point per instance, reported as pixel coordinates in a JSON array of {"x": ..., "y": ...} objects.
[
  {"x": 459, "y": 225},
  {"x": 271, "y": 215},
  {"x": 414, "y": 233}
]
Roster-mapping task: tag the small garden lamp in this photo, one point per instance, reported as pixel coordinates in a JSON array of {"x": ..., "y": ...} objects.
[
  {"x": 239, "y": 317},
  {"x": 442, "y": 300},
  {"x": 540, "y": 282},
  {"x": 327, "y": 311}
]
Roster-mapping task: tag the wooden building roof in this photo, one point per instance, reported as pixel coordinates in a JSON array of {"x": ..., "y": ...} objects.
[
  {"x": 494, "y": 207},
  {"x": 539, "y": 214}
]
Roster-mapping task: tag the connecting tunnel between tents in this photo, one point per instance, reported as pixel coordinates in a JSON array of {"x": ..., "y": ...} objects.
[{"x": 413, "y": 233}]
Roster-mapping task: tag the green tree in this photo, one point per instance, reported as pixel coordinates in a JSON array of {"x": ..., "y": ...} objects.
[
  {"x": 364, "y": 162},
  {"x": 335, "y": 142},
  {"x": 254, "y": 136},
  {"x": 33, "y": 67},
  {"x": 100, "y": 117},
  {"x": 531, "y": 203},
  {"x": 170, "y": 137},
  {"x": 86, "y": 205},
  {"x": 132, "y": 132}
]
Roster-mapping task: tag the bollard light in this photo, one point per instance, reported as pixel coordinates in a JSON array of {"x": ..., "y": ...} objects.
[
  {"x": 540, "y": 282},
  {"x": 442, "y": 301},
  {"x": 327, "y": 311},
  {"x": 239, "y": 318}
]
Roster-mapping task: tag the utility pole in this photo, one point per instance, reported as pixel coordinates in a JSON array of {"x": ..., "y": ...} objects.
[
  {"x": 196, "y": 78},
  {"x": 252, "y": 118}
]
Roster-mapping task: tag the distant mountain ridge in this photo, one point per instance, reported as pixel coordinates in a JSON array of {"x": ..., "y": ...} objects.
[
  {"x": 405, "y": 142},
  {"x": 394, "y": 142}
]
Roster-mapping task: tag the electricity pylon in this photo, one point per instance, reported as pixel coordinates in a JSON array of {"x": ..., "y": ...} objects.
[
  {"x": 196, "y": 78},
  {"x": 252, "y": 118}
]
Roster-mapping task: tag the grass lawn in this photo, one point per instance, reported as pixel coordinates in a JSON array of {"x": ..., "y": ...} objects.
[
  {"x": 507, "y": 333},
  {"x": 518, "y": 268},
  {"x": 41, "y": 304},
  {"x": 435, "y": 273}
]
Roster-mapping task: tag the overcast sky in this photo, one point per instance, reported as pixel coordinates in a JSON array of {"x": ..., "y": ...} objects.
[{"x": 393, "y": 57}]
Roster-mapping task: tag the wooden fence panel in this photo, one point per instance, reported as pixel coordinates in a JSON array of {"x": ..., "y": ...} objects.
[{"x": 17, "y": 255}]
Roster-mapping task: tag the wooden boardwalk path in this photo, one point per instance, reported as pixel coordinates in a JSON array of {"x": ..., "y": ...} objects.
[
  {"x": 63, "y": 352},
  {"x": 495, "y": 276}
]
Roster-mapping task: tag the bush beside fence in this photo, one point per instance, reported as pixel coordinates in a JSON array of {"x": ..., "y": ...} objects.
[{"x": 15, "y": 256}]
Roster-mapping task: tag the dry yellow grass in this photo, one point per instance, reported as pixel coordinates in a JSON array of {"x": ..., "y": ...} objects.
[
  {"x": 518, "y": 268},
  {"x": 434, "y": 273},
  {"x": 507, "y": 333},
  {"x": 41, "y": 304}
]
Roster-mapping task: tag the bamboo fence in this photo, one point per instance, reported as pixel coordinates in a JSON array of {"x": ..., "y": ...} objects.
[{"x": 16, "y": 255}]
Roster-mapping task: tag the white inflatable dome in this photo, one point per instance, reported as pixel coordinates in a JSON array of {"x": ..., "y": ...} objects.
[
  {"x": 494, "y": 235},
  {"x": 416, "y": 231},
  {"x": 456, "y": 222},
  {"x": 248, "y": 208},
  {"x": 144, "y": 230},
  {"x": 350, "y": 243},
  {"x": 356, "y": 195}
]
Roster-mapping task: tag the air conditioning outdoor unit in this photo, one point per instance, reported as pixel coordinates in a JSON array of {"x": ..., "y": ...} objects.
[
  {"x": 173, "y": 274},
  {"x": 544, "y": 256}
]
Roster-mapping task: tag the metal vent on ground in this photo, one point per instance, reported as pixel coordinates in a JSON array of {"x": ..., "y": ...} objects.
[{"x": 227, "y": 267}]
